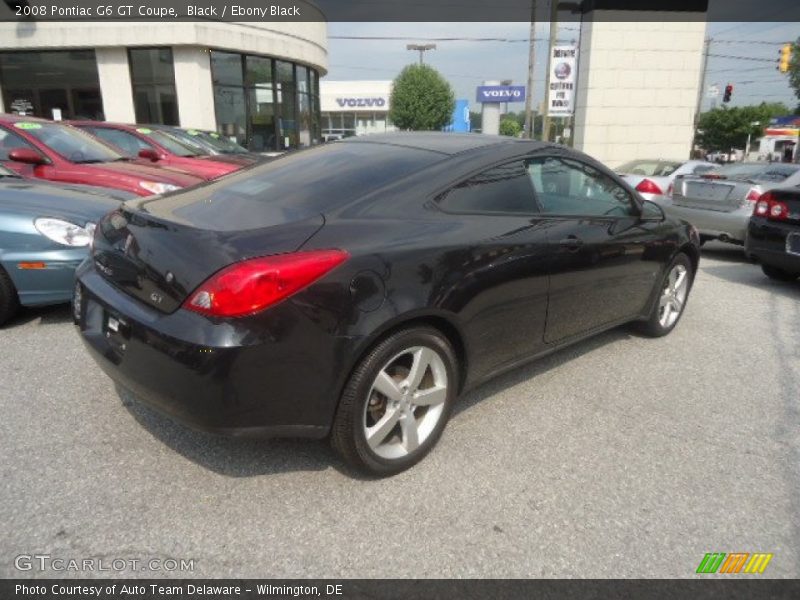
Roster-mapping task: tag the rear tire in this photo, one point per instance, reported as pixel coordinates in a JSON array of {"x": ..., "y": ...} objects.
[
  {"x": 397, "y": 402},
  {"x": 9, "y": 301},
  {"x": 778, "y": 274},
  {"x": 673, "y": 294}
]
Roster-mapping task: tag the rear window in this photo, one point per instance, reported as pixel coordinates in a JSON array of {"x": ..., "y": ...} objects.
[
  {"x": 649, "y": 168},
  {"x": 772, "y": 172},
  {"x": 293, "y": 187}
]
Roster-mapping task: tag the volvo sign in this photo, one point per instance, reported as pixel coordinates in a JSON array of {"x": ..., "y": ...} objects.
[{"x": 501, "y": 93}]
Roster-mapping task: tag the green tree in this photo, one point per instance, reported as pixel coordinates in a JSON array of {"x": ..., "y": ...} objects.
[
  {"x": 421, "y": 100},
  {"x": 510, "y": 126},
  {"x": 724, "y": 128},
  {"x": 475, "y": 120},
  {"x": 794, "y": 69}
]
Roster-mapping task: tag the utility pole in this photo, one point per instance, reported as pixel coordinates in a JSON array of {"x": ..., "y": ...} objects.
[
  {"x": 552, "y": 43},
  {"x": 527, "y": 129},
  {"x": 701, "y": 89},
  {"x": 422, "y": 49}
]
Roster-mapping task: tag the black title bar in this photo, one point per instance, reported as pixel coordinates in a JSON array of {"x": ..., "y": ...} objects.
[{"x": 396, "y": 10}]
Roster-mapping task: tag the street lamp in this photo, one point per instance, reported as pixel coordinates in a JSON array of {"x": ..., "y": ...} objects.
[
  {"x": 506, "y": 82},
  {"x": 421, "y": 48}
]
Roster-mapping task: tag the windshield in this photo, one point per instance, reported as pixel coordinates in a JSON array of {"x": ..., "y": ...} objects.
[
  {"x": 222, "y": 144},
  {"x": 776, "y": 172},
  {"x": 649, "y": 168},
  {"x": 197, "y": 146},
  {"x": 170, "y": 142},
  {"x": 73, "y": 144}
]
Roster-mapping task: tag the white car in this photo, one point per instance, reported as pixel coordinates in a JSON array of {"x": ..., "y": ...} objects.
[{"x": 653, "y": 178}]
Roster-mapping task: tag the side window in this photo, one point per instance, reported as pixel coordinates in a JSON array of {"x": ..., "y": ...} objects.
[
  {"x": 127, "y": 142},
  {"x": 568, "y": 187},
  {"x": 503, "y": 189},
  {"x": 11, "y": 141}
]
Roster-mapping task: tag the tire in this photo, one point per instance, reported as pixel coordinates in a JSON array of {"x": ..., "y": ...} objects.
[
  {"x": 778, "y": 274},
  {"x": 659, "y": 323},
  {"x": 363, "y": 407},
  {"x": 9, "y": 301}
]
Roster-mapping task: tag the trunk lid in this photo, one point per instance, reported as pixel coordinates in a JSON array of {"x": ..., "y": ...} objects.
[
  {"x": 721, "y": 195},
  {"x": 160, "y": 261}
]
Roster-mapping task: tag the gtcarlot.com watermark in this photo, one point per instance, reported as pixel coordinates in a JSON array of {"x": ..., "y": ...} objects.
[{"x": 57, "y": 564}]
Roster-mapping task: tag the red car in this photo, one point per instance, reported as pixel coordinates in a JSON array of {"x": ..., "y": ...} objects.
[
  {"x": 156, "y": 145},
  {"x": 42, "y": 149}
]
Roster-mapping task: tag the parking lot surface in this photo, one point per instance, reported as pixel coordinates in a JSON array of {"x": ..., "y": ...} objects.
[{"x": 622, "y": 456}]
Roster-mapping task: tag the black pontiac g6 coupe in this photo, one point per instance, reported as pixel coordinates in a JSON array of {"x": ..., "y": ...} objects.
[{"x": 354, "y": 290}]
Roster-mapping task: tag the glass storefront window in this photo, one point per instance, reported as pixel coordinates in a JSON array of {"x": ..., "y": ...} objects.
[
  {"x": 226, "y": 68},
  {"x": 263, "y": 103},
  {"x": 153, "y": 83},
  {"x": 39, "y": 83},
  {"x": 258, "y": 70},
  {"x": 230, "y": 107}
]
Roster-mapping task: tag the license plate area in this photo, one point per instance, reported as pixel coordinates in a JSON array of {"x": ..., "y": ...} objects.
[
  {"x": 793, "y": 244},
  {"x": 117, "y": 330}
]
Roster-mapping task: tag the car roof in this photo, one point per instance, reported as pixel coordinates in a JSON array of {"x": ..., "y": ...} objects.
[
  {"x": 443, "y": 143},
  {"x": 9, "y": 118}
]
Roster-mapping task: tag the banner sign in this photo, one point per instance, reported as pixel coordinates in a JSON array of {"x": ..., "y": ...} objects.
[
  {"x": 501, "y": 93},
  {"x": 561, "y": 82}
]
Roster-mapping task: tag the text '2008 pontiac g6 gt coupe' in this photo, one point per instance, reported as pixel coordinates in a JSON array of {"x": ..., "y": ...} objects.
[{"x": 354, "y": 290}]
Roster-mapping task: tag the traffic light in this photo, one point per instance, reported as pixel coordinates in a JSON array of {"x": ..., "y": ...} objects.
[
  {"x": 728, "y": 92},
  {"x": 785, "y": 59}
]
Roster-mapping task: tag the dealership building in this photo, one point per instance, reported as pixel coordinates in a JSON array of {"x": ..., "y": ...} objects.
[
  {"x": 355, "y": 108},
  {"x": 258, "y": 83}
]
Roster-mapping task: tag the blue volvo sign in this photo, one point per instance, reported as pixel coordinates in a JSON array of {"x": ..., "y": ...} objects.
[{"x": 501, "y": 93}]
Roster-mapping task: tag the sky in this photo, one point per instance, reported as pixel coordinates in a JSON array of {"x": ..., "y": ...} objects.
[{"x": 742, "y": 54}]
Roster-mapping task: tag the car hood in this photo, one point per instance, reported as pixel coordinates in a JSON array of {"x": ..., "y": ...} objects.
[
  {"x": 145, "y": 172},
  {"x": 73, "y": 203}
]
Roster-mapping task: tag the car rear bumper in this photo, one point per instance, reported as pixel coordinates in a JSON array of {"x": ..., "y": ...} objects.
[
  {"x": 216, "y": 377},
  {"x": 766, "y": 241},
  {"x": 730, "y": 226}
]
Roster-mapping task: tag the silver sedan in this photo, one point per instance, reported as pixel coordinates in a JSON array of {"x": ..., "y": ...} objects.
[
  {"x": 653, "y": 178},
  {"x": 719, "y": 203}
]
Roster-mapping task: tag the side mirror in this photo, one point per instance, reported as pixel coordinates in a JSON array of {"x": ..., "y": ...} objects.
[
  {"x": 652, "y": 211},
  {"x": 149, "y": 154},
  {"x": 27, "y": 156}
]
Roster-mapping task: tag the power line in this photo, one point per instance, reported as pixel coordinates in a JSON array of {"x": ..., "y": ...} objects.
[{"x": 752, "y": 58}]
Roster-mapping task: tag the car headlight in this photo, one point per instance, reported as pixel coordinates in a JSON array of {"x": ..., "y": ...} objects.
[
  {"x": 158, "y": 188},
  {"x": 64, "y": 232}
]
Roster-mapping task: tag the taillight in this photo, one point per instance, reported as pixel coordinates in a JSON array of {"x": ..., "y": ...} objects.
[
  {"x": 751, "y": 199},
  {"x": 648, "y": 187},
  {"x": 670, "y": 189},
  {"x": 767, "y": 206},
  {"x": 252, "y": 285}
]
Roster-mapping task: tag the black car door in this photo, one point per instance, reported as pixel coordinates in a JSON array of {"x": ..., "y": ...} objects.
[
  {"x": 600, "y": 272},
  {"x": 502, "y": 268}
]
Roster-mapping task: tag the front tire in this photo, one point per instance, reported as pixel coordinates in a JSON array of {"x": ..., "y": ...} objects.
[
  {"x": 673, "y": 294},
  {"x": 778, "y": 274},
  {"x": 9, "y": 301},
  {"x": 397, "y": 402}
]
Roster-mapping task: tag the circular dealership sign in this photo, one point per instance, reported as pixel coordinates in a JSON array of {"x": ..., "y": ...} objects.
[{"x": 562, "y": 70}]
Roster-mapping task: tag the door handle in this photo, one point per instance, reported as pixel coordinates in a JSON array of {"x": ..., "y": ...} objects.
[{"x": 571, "y": 242}]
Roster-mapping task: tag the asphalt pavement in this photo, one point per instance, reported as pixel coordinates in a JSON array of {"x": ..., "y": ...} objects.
[{"x": 622, "y": 456}]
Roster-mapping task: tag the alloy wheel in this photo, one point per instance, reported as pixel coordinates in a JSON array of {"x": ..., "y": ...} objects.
[
  {"x": 405, "y": 403},
  {"x": 673, "y": 296}
]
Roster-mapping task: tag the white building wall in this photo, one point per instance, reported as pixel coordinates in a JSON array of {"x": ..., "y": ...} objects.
[
  {"x": 113, "y": 71},
  {"x": 637, "y": 87},
  {"x": 194, "y": 87},
  {"x": 300, "y": 42}
]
